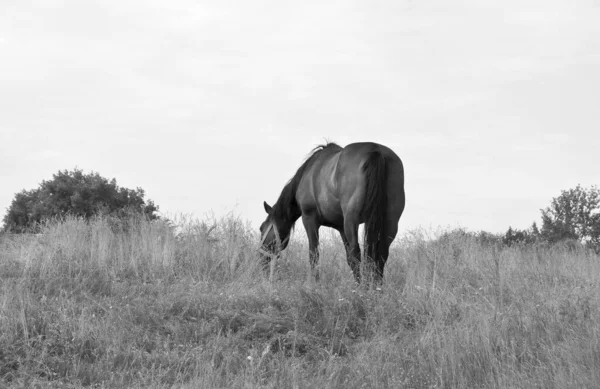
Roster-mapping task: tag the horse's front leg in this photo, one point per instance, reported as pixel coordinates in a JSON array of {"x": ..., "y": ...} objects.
[{"x": 311, "y": 226}]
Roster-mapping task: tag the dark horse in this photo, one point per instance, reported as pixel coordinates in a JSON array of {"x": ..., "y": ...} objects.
[{"x": 341, "y": 188}]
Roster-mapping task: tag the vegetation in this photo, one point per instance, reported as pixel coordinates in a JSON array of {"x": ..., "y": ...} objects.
[
  {"x": 573, "y": 218},
  {"x": 185, "y": 305},
  {"x": 575, "y": 214},
  {"x": 75, "y": 193},
  {"x": 516, "y": 236}
]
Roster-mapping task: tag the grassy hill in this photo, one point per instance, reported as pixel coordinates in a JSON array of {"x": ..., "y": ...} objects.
[{"x": 136, "y": 305}]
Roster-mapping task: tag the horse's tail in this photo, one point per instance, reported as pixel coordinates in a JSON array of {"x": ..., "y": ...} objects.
[{"x": 375, "y": 206}]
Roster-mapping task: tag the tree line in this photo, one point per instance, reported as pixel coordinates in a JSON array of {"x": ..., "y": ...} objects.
[{"x": 572, "y": 216}]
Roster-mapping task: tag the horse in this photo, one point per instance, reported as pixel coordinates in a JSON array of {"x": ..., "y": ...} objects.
[{"x": 341, "y": 188}]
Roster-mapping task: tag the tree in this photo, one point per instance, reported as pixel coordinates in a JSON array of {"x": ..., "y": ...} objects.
[
  {"x": 76, "y": 193},
  {"x": 516, "y": 236},
  {"x": 575, "y": 214}
]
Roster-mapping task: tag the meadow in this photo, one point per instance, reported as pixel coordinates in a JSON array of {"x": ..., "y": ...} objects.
[{"x": 142, "y": 305}]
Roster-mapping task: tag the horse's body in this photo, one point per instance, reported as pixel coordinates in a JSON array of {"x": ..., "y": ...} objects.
[{"x": 341, "y": 188}]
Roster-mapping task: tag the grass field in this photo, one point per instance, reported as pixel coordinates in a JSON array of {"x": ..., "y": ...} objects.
[{"x": 83, "y": 305}]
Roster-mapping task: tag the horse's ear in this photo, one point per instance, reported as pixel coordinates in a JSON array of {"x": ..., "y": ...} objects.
[{"x": 268, "y": 208}]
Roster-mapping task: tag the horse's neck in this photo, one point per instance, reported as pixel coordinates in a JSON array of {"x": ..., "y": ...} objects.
[
  {"x": 290, "y": 216},
  {"x": 288, "y": 207},
  {"x": 295, "y": 216}
]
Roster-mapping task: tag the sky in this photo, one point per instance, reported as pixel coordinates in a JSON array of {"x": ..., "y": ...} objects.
[{"x": 211, "y": 106}]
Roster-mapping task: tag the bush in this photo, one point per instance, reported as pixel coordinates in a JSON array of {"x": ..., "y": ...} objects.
[{"x": 77, "y": 194}]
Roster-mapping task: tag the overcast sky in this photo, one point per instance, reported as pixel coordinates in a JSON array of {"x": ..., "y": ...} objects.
[{"x": 493, "y": 106}]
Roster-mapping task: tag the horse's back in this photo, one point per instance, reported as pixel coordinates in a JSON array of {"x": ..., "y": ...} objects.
[{"x": 361, "y": 150}]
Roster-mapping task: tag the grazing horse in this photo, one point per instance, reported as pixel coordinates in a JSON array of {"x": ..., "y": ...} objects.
[{"x": 341, "y": 188}]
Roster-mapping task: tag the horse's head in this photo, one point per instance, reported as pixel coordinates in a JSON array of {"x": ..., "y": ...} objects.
[{"x": 275, "y": 235}]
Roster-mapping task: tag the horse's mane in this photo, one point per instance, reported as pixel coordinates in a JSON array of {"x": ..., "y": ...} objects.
[{"x": 286, "y": 208}]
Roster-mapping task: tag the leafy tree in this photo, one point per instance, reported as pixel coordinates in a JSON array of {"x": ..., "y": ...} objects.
[
  {"x": 76, "y": 193},
  {"x": 535, "y": 230},
  {"x": 575, "y": 214},
  {"x": 516, "y": 236}
]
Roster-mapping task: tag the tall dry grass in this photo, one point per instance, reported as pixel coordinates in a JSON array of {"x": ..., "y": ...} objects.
[{"x": 152, "y": 304}]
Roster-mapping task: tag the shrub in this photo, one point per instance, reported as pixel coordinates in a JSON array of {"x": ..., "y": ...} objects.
[{"x": 78, "y": 194}]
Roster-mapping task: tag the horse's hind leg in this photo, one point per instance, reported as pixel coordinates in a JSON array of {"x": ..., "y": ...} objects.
[
  {"x": 391, "y": 231},
  {"x": 350, "y": 239}
]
